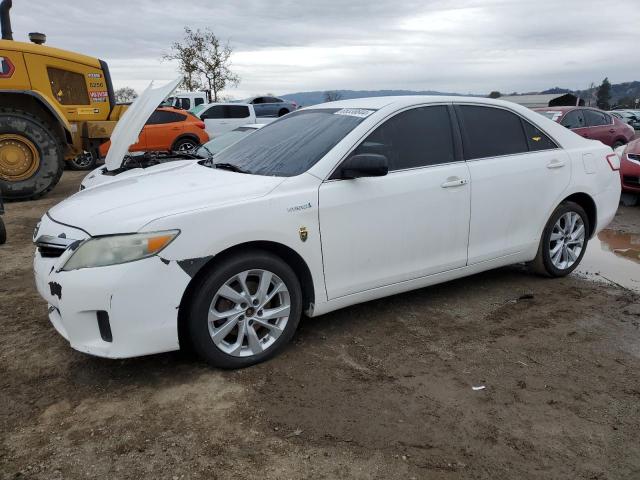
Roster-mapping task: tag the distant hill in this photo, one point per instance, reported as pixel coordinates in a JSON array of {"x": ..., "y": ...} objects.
[
  {"x": 621, "y": 93},
  {"x": 312, "y": 98}
]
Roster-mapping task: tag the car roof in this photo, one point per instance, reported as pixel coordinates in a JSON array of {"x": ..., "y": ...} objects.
[
  {"x": 171, "y": 109},
  {"x": 564, "y": 109},
  {"x": 223, "y": 103},
  {"x": 377, "y": 103}
]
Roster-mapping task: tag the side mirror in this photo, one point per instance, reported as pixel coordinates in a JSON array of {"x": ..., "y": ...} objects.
[{"x": 364, "y": 165}]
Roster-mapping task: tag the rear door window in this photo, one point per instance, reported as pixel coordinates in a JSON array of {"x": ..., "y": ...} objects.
[
  {"x": 414, "y": 138},
  {"x": 214, "y": 112},
  {"x": 162, "y": 116},
  {"x": 536, "y": 139},
  {"x": 236, "y": 111},
  {"x": 573, "y": 119},
  {"x": 198, "y": 101},
  {"x": 593, "y": 118},
  {"x": 490, "y": 132}
]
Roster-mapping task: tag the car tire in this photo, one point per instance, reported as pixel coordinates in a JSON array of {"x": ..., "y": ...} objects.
[
  {"x": 85, "y": 161},
  {"x": 226, "y": 341},
  {"x": 184, "y": 144},
  {"x": 563, "y": 242},
  {"x": 282, "y": 112},
  {"x": 38, "y": 137},
  {"x": 3, "y": 233}
]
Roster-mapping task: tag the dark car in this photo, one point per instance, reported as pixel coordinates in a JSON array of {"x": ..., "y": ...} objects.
[
  {"x": 627, "y": 117},
  {"x": 591, "y": 123}
]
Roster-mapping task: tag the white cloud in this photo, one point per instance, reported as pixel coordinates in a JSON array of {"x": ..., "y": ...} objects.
[{"x": 285, "y": 45}]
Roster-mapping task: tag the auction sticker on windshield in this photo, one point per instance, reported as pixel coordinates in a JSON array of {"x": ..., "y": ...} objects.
[{"x": 354, "y": 112}]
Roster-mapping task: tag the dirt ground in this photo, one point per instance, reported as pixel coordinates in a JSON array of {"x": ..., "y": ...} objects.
[{"x": 379, "y": 390}]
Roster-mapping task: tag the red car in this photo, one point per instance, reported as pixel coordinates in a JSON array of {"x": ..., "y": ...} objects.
[
  {"x": 591, "y": 123},
  {"x": 630, "y": 168},
  {"x": 168, "y": 129}
]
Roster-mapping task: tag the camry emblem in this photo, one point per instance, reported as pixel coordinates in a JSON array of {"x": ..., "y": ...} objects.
[{"x": 303, "y": 234}]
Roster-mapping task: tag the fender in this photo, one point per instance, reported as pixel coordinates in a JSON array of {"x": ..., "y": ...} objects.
[{"x": 50, "y": 107}]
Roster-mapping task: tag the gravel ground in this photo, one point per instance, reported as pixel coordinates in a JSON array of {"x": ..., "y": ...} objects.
[{"x": 379, "y": 390}]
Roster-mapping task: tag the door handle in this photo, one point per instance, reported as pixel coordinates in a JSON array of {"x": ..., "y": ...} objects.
[
  {"x": 455, "y": 182},
  {"x": 555, "y": 164},
  {"x": 612, "y": 131}
]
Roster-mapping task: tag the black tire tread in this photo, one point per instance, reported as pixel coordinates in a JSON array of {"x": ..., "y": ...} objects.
[{"x": 45, "y": 125}]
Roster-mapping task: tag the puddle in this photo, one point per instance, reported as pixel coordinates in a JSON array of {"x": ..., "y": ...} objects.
[{"x": 615, "y": 257}]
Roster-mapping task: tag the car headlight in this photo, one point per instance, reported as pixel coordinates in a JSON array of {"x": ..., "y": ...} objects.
[{"x": 116, "y": 249}]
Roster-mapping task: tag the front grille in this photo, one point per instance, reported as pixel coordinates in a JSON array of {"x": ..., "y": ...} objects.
[
  {"x": 631, "y": 181},
  {"x": 53, "y": 247}
]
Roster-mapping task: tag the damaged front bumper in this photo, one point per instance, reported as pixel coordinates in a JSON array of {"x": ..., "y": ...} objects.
[{"x": 116, "y": 311}]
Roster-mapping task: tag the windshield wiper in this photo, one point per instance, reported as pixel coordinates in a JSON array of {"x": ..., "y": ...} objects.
[
  {"x": 231, "y": 167},
  {"x": 209, "y": 152}
]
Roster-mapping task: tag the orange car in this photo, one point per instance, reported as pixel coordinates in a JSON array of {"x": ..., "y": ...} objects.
[{"x": 167, "y": 129}]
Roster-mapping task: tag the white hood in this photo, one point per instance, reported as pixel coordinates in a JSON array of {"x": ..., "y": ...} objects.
[
  {"x": 132, "y": 122},
  {"x": 127, "y": 205}
]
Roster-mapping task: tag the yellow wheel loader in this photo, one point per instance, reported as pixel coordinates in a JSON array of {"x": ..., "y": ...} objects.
[{"x": 56, "y": 107}]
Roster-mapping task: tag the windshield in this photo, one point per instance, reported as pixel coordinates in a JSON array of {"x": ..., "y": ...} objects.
[
  {"x": 223, "y": 141},
  {"x": 294, "y": 143},
  {"x": 197, "y": 108}
]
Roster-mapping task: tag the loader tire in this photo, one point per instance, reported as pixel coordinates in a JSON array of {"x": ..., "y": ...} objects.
[{"x": 31, "y": 155}]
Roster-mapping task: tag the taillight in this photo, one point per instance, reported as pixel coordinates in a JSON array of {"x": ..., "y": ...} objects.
[
  {"x": 200, "y": 125},
  {"x": 614, "y": 161}
]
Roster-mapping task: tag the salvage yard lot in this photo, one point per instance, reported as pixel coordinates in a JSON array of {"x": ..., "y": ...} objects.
[{"x": 379, "y": 390}]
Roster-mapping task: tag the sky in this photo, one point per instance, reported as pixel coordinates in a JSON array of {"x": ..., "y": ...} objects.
[{"x": 287, "y": 46}]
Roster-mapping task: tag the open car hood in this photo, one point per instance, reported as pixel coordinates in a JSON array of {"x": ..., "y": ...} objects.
[{"x": 132, "y": 121}]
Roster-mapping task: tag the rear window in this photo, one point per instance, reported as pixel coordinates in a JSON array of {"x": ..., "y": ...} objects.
[
  {"x": 292, "y": 144},
  {"x": 490, "y": 132}
]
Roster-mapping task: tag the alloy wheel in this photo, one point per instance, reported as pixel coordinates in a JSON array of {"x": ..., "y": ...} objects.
[
  {"x": 567, "y": 240},
  {"x": 249, "y": 312}
]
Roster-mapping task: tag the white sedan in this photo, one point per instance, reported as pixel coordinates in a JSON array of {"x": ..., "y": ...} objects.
[{"x": 329, "y": 206}]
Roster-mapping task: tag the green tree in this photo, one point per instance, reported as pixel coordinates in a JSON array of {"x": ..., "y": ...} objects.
[
  {"x": 604, "y": 95},
  {"x": 495, "y": 94}
]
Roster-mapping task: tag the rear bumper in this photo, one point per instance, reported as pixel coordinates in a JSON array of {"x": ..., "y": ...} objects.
[{"x": 607, "y": 203}]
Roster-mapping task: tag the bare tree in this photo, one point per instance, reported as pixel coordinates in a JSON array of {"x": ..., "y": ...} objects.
[
  {"x": 204, "y": 62},
  {"x": 332, "y": 96},
  {"x": 125, "y": 94}
]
